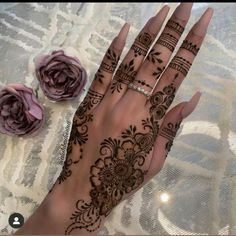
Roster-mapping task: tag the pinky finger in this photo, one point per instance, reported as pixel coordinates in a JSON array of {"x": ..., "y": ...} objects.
[{"x": 168, "y": 132}]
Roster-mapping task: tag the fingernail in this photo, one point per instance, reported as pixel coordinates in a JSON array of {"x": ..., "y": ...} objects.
[
  {"x": 200, "y": 28},
  {"x": 183, "y": 11},
  {"x": 119, "y": 41},
  {"x": 190, "y": 105},
  {"x": 154, "y": 23}
]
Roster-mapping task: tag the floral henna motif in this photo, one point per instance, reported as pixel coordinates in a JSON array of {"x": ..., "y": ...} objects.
[
  {"x": 160, "y": 101},
  {"x": 169, "y": 132},
  {"x": 125, "y": 74},
  {"x": 153, "y": 57},
  {"x": 119, "y": 168},
  {"x": 79, "y": 131},
  {"x": 117, "y": 172},
  {"x": 158, "y": 72}
]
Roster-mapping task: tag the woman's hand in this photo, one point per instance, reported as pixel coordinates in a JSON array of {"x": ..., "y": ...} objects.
[{"x": 122, "y": 132}]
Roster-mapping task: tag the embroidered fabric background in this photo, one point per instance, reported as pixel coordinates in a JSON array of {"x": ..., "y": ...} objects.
[{"x": 200, "y": 172}]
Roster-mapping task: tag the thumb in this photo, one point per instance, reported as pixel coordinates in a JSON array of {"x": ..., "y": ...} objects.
[{"x": 168, "y": 130}]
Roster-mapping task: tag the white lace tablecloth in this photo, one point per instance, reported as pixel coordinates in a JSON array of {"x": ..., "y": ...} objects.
[{"x": 199, "y": 175}]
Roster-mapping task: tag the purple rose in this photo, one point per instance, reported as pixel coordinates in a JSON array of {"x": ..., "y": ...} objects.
[
  {"x": 60, "y": 77},
  {"x": 20, "y": 111}
]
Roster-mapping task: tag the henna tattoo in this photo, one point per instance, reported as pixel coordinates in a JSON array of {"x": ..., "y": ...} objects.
[
  {"x": 169, "y": 132},
  {"x": 141, "y": 44},
  {"x": 113, "y": 58},
  {"x": 143, "y": 82},
  {"x": 110, "y": 67},
  {"x": 175, "y": 26},
  {"x": 167, "y": 40},
  {"x": 190, "y": 47},
  {"x": 99, "y": 76},
  {"x": 158, "y": 72},
  {"x": 153, "y": 57},
  {"x": 125, "y": 74},
  {"x": 180, "y": 64},
  {"x": 118, "y": 170},
  {"x": 79, "y": 131},
  {"x": 161, "y": 100}
]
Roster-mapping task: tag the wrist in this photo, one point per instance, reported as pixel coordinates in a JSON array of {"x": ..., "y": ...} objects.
[{"x": 53, "y": 215}]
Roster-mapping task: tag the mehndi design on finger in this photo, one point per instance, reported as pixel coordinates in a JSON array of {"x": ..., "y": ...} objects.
[
  {"x": 180, "y": 64},
  {"x": 110, "y": 67},
  {"x": 190, "y": 47},
  {"x": 161, "y": 100},
  {"x": 168, "y": 40},
  {"x": 125, "y": 74},
  {"x": 169, "y": 132},
  {"x": 153, "y": 57},
  {"x": 175, "y": 26},
  {"x": 144, "y": 83},
  {"x": 142, "y": 44},
  {"x": 158, "y": 72}
]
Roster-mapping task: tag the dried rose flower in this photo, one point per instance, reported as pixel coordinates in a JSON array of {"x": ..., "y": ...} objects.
[
  {"x": 60, "y": 77},
  {"x": 20, "y": 112}
]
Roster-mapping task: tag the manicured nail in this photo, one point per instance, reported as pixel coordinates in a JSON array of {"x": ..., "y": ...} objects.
[
  {"x": 155, "y": 22},
  {"x": 190, "y": 105},
  {"x": 119, "y": 41},
  {"x": 183, "y": 11},
  {"x": 200, "y": 28}
]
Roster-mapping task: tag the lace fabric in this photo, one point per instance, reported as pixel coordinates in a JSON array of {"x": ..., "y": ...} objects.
[{"x": 195, "y": 191}]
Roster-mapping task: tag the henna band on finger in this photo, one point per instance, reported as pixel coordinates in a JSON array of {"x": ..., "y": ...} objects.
[
  {"x": 190, "y": 47},
  {"x": 180, "y": 64},
  {"x": 167, "y": 40},
  {"x": 175, "y": 26},
  {"x": 169, "y": 132}
]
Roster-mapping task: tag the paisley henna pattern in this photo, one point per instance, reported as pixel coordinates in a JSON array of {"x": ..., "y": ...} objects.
[{"x": 119, "y": 167}]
